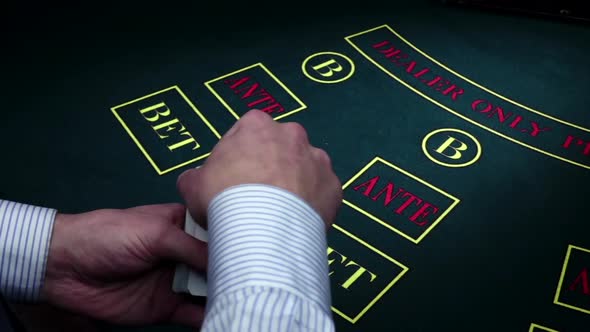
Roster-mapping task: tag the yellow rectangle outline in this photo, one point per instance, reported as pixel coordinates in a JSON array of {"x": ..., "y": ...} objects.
[
  {"x": 458, "y": 114},
  {"x": 372, "y": 217},
  {"x": 301, "y": 107},
  {"x": 540, "y": 327},
  {"x": 404, "y": 268},
  {"x": 142, "y": 149},
  {"x": 563, "y": 270}
]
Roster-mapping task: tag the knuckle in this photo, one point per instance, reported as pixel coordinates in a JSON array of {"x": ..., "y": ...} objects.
[
  {"x": 295, "y": 129},
  {"x": 340, "y": 193},
  {"x": 337, "y": 186},
  {"x": 323, "y": 156},
  {"x": 254, "y": 118}
]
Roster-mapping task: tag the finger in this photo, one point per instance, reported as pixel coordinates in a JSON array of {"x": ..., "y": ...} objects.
[
  {"x": 173, "y": 212},
  {"x": 188, "y": 314},
  {"x": 252, "y": 118},
  {"x": 180, "y": 247},
  {"x": 255, "y": 119},
  {"x": 188, "y": 186}
]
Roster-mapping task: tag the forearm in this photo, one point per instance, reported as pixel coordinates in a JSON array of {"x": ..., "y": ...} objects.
[
  {"x": 25, "y": 233},
  {"x": 268, "y": 269}
]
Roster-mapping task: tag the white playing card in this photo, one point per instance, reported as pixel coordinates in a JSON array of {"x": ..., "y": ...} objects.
[
  {"x": 195, "y": 229},
  {"x": 185, "y": 279},
  {"x": 197, "y": 282}
]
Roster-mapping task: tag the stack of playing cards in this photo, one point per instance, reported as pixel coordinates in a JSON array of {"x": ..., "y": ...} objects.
[{"x": 186, "y": 280}]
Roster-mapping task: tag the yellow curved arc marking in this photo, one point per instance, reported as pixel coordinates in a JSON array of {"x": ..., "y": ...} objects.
[
  {"x": 425, "y": 150},
  {"x": 457, "y": 113},
  {"x": 472, "y": 82}
]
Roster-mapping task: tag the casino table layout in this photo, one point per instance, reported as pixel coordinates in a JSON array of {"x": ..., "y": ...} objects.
[{"x": 461, "y": 137}]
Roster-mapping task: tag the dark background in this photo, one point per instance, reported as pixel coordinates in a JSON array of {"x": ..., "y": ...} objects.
[{"x": 492, "y": 265}]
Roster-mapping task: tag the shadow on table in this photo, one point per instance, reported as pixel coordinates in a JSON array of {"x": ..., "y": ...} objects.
[{"x": 44, "y": 318}]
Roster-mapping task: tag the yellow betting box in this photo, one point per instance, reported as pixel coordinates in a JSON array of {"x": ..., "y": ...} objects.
[
  {"x": 397, "y": 200},
  {"x": 255, "y": 87},
  {"x": 360, "y": 274},
  {"x": 573, "y": 289},
  {"x": 167, "y": 128}
]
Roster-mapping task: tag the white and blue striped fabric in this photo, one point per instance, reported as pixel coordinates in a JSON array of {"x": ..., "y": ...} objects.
[
  {"x": 25, "y": 232},
  {"x": 268, "y": 268}
]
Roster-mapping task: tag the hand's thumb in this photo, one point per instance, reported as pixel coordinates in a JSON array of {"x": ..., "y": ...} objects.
[{"x": 190, "y": 187}]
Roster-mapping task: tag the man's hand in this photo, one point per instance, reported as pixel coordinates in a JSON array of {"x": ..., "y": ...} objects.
[
  {"x": 259, "y": 150},
  {"x": 118, "y": 265}
]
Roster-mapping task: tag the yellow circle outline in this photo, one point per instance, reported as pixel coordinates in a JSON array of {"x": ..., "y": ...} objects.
[
  {"x": 328, "y": 82},
  {"x": 477, "y": 155}
]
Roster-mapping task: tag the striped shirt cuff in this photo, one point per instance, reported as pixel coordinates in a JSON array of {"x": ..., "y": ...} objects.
[
  {"x": 264, "y": 236},
  {"x": 25, "y": 232}
]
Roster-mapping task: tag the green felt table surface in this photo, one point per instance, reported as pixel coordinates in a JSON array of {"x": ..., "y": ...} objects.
[{"x": 419, "y": 245}]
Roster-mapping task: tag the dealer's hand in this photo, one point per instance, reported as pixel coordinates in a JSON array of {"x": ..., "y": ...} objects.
[
  {"x": 258, "y": 149},
  {"x": 118, "y": 265}
]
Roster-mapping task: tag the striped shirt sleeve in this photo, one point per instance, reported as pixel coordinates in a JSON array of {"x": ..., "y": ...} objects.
[
  {"x": 268, "y": 268},
  {"x": 25, "y": 232}
]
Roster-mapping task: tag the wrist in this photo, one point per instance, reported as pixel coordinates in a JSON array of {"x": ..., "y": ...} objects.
[
  {"x": 279, "y": 194},
  {"x": 56, "y": 268}
]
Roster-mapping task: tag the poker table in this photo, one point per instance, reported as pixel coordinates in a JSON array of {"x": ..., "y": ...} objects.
[{"x": 461, "y": 137}]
